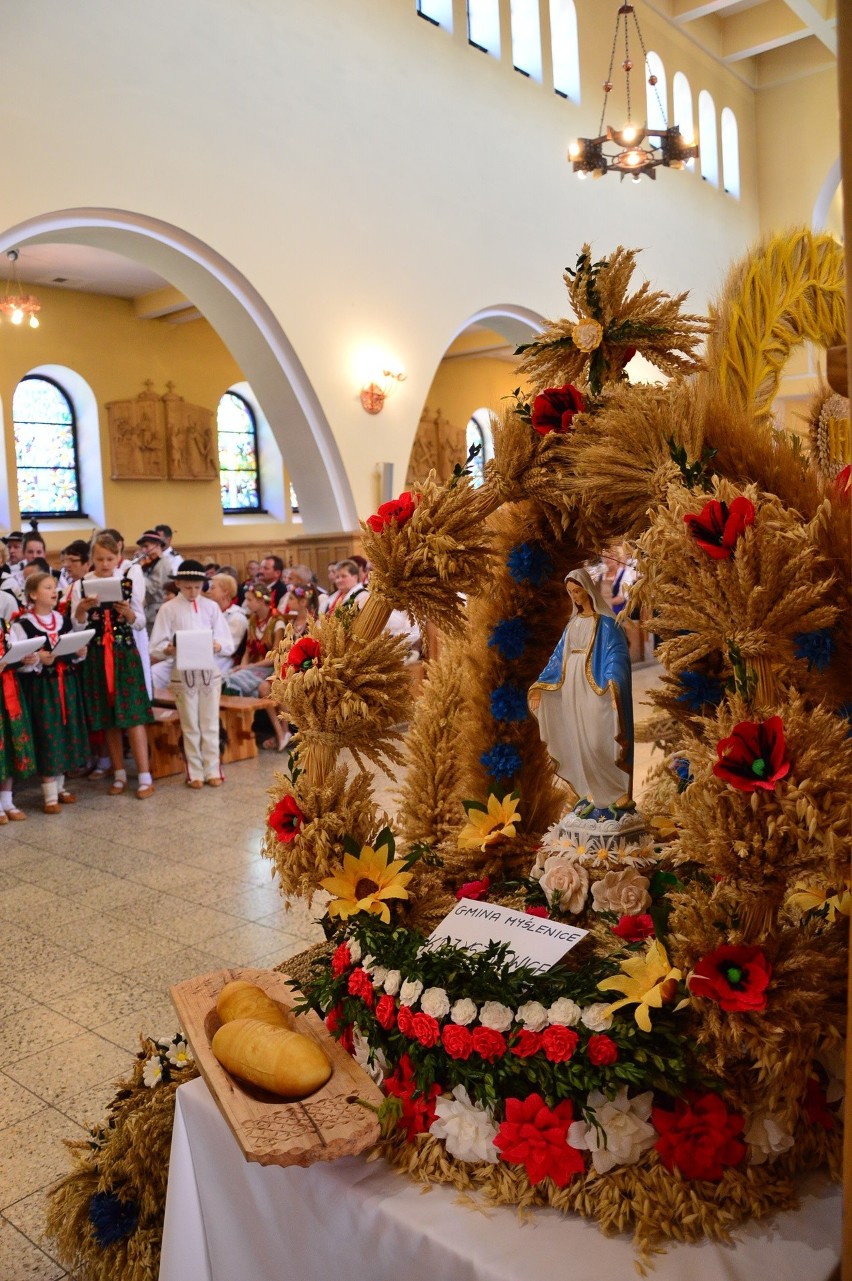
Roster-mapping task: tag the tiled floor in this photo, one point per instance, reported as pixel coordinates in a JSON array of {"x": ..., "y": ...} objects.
[{"x": 101, "y": 909}]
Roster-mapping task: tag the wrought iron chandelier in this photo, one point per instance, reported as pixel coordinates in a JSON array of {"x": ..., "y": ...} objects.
[
  {"x": 14, "y": 304},
  {"x": 636, "y": 152}
]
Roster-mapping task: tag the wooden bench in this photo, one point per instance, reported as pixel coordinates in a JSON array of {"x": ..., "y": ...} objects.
[{"x": 235, "y": 718}]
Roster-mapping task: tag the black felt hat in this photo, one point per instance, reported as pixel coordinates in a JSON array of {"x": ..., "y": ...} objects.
[{"x": 189, "y": 571}]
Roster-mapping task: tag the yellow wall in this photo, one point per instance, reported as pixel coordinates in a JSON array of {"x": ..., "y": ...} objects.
[
  {"x": 797, "y": 124},
  {"x": 464, "y": 384}
]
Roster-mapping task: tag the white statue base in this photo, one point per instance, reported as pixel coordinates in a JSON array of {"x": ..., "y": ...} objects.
[{"x": 606, "y": 840}]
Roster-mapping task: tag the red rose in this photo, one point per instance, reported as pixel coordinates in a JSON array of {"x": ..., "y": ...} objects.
[
  {"x": 490, "y": 1045},
  {"x": 527, "y": 1044},
  {"x": 286, "y": 819},
  {"x": 699, "y": 1138},
  {"x": 398, "y": 509},
  {"x": 536, "y": 1137},
  {"x": 559, "y": 1043},
  {"x": 418, "y": 1110},
  {"x": 474, "y": 889},
  {"x": 634, "y": 928},
  {"x": 360, "y": 984},
  {"x": 602, "y": 1050},
  {"x": 737, "y": 977},
  {"x": 304, "y": 654},
  {"x": 717, "y": 526},
  {"x": 386, "y": 1012},
  {"x": 405, "y": 1020},
  {"x": 457, "y": 1041},
  {"x": 754, "y": 756},
  {"x": 340, "y": 959},
  {"x": 342, "y": 1031},
  {"x": 554, "y": 409},
  {"x": 815, "y": 1105},
  {"x": 425, "y": 1028},
  {"x": 537, "y": 911}
]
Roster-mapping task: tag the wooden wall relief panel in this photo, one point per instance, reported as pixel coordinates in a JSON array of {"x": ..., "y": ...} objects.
[
  {"x": 137, "y": 436},
  {"x": 190, "y": 440}
]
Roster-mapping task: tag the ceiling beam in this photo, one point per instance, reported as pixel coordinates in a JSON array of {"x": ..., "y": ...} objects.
[
  {"x": 754, "y": 31},
  {"x": 689, "y": 10},
  {"x": 820, "y": 18}
]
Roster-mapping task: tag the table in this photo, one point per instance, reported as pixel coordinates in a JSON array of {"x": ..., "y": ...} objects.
[{"x": 231, "y": 1220}]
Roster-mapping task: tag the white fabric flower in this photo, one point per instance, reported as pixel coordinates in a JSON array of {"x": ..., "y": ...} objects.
[
  {"x": 379, "y": 973},
  {"x": 565, "y": 884},
  {"x": 152, "y": 1072},
  {"x": 467, "y": 1128},
  {"x": 435, "y": 1001},
  {"x": 766, "y": 1138},
  {"x": 393, "y": 978},
  {"x": 596, "y": 1018},
  {"x": 410, "y": 991},
  {"x": 361, "y": 1054},
  {"x": 625, "y": 892},
  {"x": 564, "y": 1011},
  {"x": 464, "y": 1011},
  {"x": 354, "y": 950},
  {"x": 179, "y": 1054},
  {"x": 533, "y": 1015},
  {"x": 496, "y": 1015},
  {"x": 368, "y": 962},
  {"x": 318, "y": 906},
  {"x": 621, "y": 1132}
]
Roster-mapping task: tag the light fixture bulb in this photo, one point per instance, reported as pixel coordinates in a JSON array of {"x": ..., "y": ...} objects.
[
  {"x": 581, "y": 173},
  {"x": 628, "y": 133},
  {"x": 634, "y": 157},
  {"x": 574, "y": 150},
  {"x": 34, "y": 322},
  {"x": 636, "y": 177},
  {"x": 17, "y": 316}
]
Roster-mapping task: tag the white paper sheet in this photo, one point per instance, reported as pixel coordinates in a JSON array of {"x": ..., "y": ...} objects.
[
  {"x": 16, "y": 650},
  {"x": 106, "y": 589},
  {"x": 194, "y": 651},
  {"x": 72, "y": 642},
  {"x": 534, "y": 941}
]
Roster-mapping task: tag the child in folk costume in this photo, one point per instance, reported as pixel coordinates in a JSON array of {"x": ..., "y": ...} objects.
[
  {"x": 196, "y": 692},
  {"x": 17, "y": 751},
  {"x": 51, "y": 692},
  {"x": 265, "y": 630},
  {"x": 113, "y": 679}
]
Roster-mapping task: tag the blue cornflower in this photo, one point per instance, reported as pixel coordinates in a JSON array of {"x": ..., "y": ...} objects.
[
  {"x": 699, "y": 690},
  {"x": 112, "y": 1219},
  {"x": 816, "y": 648},
  {"x": 502, "y": 761},
  {"x": 509, "y": 703},
  {"x": 509, "y": 637},
  {"x": 529, "y": 563},
  {"x": 681, "y": 768}
]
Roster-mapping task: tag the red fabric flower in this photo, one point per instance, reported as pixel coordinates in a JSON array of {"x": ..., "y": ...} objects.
[
  {"x": 340, "y": 959},
  {"x": 286, "y": 819},
  {"x": 474, "y": 889},
  {"x": 418, "y": 1112},
  {"x": 841, "y": 486},
  {"x": 304, "y": 654},
  {"x": 559, "y": 1043},
  {"x": 339, "y": 1029},
  {"x": 634, "y": 928},
  {"x": 537, "y": 911},
  {"x": 602, "y": 1050},
  {"x": 536, "y": 1137},
  {"x": 457, "y": 1041},
  {"x": 754, "y": 756},
  {"x": 426, "y": 1029},
  {"x": 700, "y": 1137},
  {"x": 360, "y": 984},
  {"x": 735, "y": 976},
  {"x": 490, "y": 1045},
  {"x": 398, "y": 509},
  {"x": 386, "y": 1012},
  {"x": 527, "y": 1044},
  {"x": 554, "y": 409},
  {"x": 405, "y": 1020},
  {"x": 717, "y": 526},
  {"x": 815, "y": 1105}
]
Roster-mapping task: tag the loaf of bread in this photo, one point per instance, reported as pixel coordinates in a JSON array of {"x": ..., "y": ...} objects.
[
  {"x": 278, "y": 1060},
  {"x": 242, "y": 1000}
]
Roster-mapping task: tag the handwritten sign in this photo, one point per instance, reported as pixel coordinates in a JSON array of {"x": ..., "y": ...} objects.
[{"x": 533, "y": 941}]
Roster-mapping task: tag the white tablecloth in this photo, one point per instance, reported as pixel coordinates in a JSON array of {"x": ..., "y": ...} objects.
[{"x": 232, "y": 1220}]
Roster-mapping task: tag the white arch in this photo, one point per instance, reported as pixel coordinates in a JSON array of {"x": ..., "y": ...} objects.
[
  {"x": 656, "y": 96},
  {"x": 730, "y": 153},
  {"x": 819, "y": 217},
  {"x": 515, "y": 324},
  {"x": 565, "y": 49},
  {"x": 246, "y": 325},
  {"x": 682, "y": 109},
  {"x": 88, "y": 442},
  {"x": 708, "y": 139}
]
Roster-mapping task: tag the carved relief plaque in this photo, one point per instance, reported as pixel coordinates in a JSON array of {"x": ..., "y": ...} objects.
[
  {"x": 190, "y": 442},
  {"x": 137, "y": 437}
]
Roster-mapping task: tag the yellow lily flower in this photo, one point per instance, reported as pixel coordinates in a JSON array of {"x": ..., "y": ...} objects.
[
  {"x": 486, "y": 828},
  {"x": 363, "y": 883},
  {"x": 807, "y": 897},
  {"x": 647, "y": 982}
]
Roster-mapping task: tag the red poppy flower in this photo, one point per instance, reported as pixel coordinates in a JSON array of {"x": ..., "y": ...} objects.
[
  {"x": 286, "y": 819},
  {"x": 634, "y": 928},
  {"x": 304, "y": 654},
  {"x": 360, "y": 984},
  {"x": 559, "y": 1043},
  {"x": 474, "y": 889},
  {"x": 457, "y": 1041},
  {"x": 537, "y": 911},
  {"x": 602, "y": 1050},
  {"x": 341, "y": 959},
  {"x": 735, "y": 976},
  {"x": 754, "y": 756},
  {"x": 386, "y": 1012},
  {"x": 536, "y": 1137},
  {"x": 426, "y": 1029},
  {"x": 490, "y": 1045},
  {"x": 527, "y": 1044},
  {"x": 717, "y": 526},
  {"x": 700, "y": 1137},
  {"x": 554, "y": 409},
  {"x": 336, "y": 1026},
  {"x": 398, "y": 509},
  {"x": 405, "y": 1020},
  {"x": 418, "y": 1110},
  {"x": 815, "y": 1106}
]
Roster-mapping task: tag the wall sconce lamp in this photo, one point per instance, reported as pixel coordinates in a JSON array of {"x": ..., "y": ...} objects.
[{"x": 376, "y": 392}]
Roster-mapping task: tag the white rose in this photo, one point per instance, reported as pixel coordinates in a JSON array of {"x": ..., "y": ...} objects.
[
  {"x": 467, "y": 1129},
  {"x": 766, "y": 1138},
  {"x": 393, "y": 978},
  {"x": 565, "y": 884},
  {"x": 464, "y": 1012},
  {"x": 410, "y": 991},
  {"x": 596, "y": 1018},
  {"x": 354, "y": 950},
  {"x": 625, "y": 892},
  {"x": 620, "y": 1133},
  {"x": 496, "y": 1016},
  {"x": 368, "y": 962},
  {"x": 533, "y": 1015},
  {"x": 379, "y": 973},
  {"x": 374, "y": 1064},
  {"x": 435, "y": 1002},
  {"x": 564, "y": 1011}
]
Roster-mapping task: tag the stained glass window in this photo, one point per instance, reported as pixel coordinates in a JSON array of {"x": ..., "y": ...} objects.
[
  {"x": 239, "y": 475},
  {"x": 45, "y": 449}
]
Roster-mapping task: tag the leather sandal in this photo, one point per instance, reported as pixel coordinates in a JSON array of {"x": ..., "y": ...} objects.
[
  {"x": 67, "y": 798},
  {"x": 215, "y": 782},
  {"x": 146, "y": 790},
  {"x": 16, "y": 816},
  {"x": 117, "y": 787},
  {"x": 194, "y": 783},
  {"x": 51, "y": 807}
]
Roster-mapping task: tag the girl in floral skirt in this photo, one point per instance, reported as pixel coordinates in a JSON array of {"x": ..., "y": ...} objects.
[
  {"x": 17, "y": 758},
  {"x": 113, "y": 679}
]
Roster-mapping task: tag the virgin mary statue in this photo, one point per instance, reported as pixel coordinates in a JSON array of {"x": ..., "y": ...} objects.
[{"x": 583, "y": 703}]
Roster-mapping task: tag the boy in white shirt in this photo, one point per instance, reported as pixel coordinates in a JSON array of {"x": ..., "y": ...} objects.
[{"x": 196, "y": 693}]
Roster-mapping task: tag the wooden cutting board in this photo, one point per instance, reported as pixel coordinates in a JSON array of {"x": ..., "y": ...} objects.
[{"x": 325, "y": 1125}]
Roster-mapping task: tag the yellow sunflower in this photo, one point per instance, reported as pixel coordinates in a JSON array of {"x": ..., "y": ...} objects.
[
  {"x": 808, "y": 897},
  {"x": 363, "y": 883},
  {"x": 488, "y": 826},
  {"x": 647, "y": 981}
]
